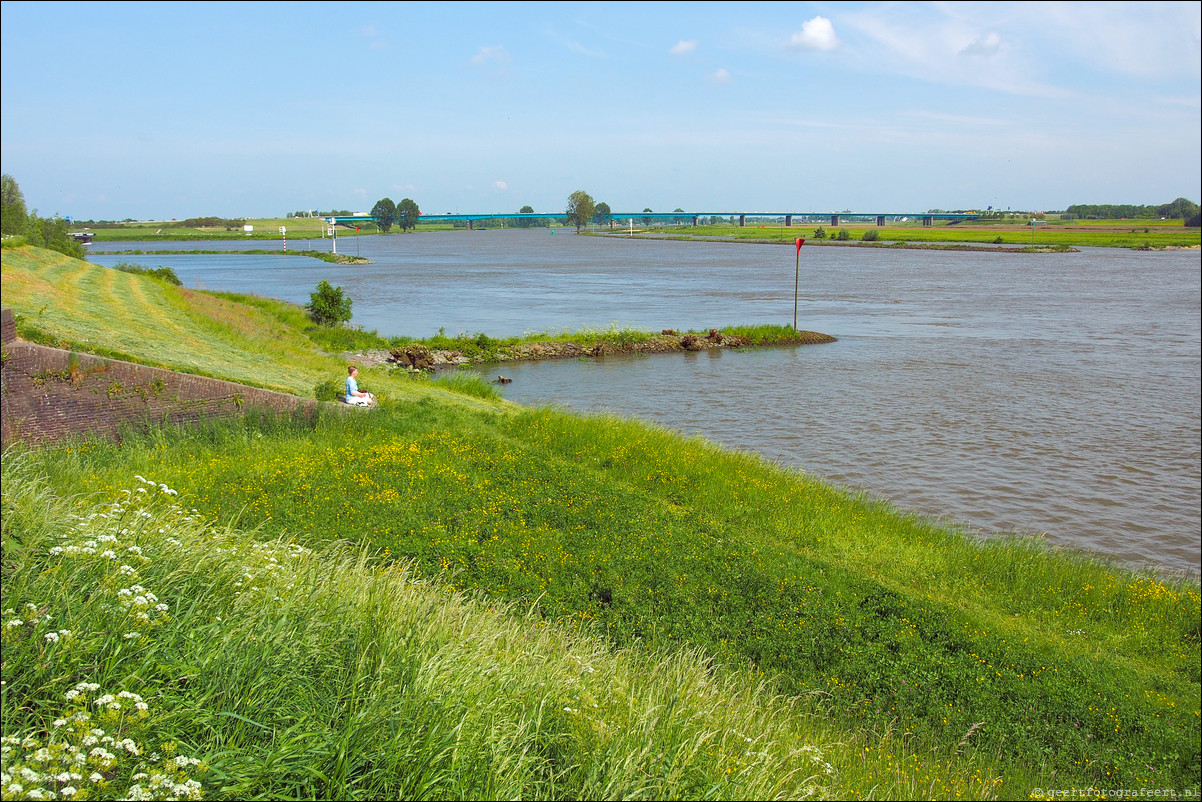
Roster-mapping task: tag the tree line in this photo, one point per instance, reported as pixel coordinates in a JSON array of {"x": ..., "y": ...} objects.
[
  {"x": 1180, "y": 209},
  {"x": 44, "y": 232}
]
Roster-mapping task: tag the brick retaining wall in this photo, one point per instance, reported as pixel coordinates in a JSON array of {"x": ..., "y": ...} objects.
[{"x": 49, "y": 393}]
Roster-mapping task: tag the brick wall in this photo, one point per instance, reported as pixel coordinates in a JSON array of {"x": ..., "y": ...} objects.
[{"x": 49, "y": 393}]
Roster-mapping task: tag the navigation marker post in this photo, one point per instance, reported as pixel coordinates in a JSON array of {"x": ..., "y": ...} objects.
[
  {"x": 284, "y": 234},
  {"x": 797, "y": 279}
]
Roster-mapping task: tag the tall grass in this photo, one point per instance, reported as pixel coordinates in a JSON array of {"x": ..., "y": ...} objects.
[
  {"x": 214, "y": 662},
  {"x": 616, "y": 529}
]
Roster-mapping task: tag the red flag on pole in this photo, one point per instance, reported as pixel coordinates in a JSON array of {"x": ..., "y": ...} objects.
[{"x": 800, "y": 241}]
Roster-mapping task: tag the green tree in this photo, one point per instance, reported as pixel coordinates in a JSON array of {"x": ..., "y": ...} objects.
[
  {"x": 525, "y": 222},
  {"x": 647, "y": 220},
  {"x": 678, "y": 220},
  {"x": 603, "y": 213},
  {"x": 407, "y": 214},
  {"x": 51, "y": 232},
  {"x": 328, "y": 306},
  {"x": 385, "y": 213},
  {"x": 1180, "y": 208},
  {"x": 581, "y": 209},
  {"x": 13, "y": 216}
]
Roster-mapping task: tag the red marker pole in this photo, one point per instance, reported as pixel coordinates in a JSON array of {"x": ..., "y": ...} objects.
[{"x": 797, "y": 280}]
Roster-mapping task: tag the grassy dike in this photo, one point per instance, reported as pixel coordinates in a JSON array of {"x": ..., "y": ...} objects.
[{"x": 454, "y": 596}]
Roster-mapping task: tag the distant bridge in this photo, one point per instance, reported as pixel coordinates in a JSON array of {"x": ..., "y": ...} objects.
[{"x": 835, "y": 218}]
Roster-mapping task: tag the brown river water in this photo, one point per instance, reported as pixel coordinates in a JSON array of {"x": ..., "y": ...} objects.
[{"x": 1056, "y": 394}]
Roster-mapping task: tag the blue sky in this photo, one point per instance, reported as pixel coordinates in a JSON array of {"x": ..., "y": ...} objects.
[{"x": 159, "y": 110}]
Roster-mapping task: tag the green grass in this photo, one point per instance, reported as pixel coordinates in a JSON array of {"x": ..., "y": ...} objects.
[
  {"x": 1127, "y": 234},
  {"x": 1150, "y": 233},
  {"x": 298, "y": 228},
  {"x": 923, "y": 663},
  {"x": 262, "y": 342},
  {"x": 613, "y": 529},
  {"x": 223, "y": 664}
]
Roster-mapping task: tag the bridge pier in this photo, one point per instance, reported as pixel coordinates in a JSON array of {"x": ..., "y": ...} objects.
[
  {"x": 469, "y": 224},
  {"x": 880, "y": 219},
  {"x": 927, "y": 220},
  {"x": 834, "y": 220},
  {"x": 694, "y": 221},
  {"x": 742, "y": 219},
  {"x": 788, "y": 220}
]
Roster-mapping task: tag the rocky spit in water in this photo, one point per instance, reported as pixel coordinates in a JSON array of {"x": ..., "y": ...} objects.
[{"x": 419, "y": 357}]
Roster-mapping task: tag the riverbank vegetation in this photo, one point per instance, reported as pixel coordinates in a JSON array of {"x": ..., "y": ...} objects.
[
  {"x": 1141, "y": 234},
  {"x": 325, "y": 256},
  {"x": 1138, "y": 233},
  {"x": 454, "y": 596}
]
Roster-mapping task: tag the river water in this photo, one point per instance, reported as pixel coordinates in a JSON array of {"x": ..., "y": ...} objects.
[{"x": 1033, "y": 393}]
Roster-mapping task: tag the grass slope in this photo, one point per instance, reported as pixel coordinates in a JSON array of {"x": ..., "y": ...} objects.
[
  {"x": 943, "y": 667},
  {"x": 71, "y": 304},
  {"x": 206, "y": 662}
]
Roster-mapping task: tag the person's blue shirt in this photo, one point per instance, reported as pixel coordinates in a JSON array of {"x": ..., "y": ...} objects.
[{"x": 352, "y": 387}]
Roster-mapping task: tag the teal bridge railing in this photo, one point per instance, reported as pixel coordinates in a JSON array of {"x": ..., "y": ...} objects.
[{"x": 618, "y": 218}]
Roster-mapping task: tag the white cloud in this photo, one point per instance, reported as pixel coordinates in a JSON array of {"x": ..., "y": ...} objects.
[
  {"x": 985, "y": 45},
  {"x": 573, "y": 44},
  {"x": 958, "y": 118},
  {"x": 1188, "y": 102},
  {"x": 500, "y": 185},
  {"x": 375, "y": 42},
  {"x": 815, "y": 34},
  {"x": 491, "y": 54},
  {"x": 683, "y": 46},
  {"x": 720, "y": 76},
  {"x": 907, "y": 40}
]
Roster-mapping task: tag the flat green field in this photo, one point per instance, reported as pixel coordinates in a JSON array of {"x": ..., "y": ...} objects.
[
  {"x": 1096, "y": 233},
  {"x": 1109, "y": 234},
  {"x": 455, "y": 597}
]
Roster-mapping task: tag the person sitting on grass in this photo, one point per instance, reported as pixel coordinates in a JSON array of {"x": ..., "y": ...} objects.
[{"x": 353, "y": 394}]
